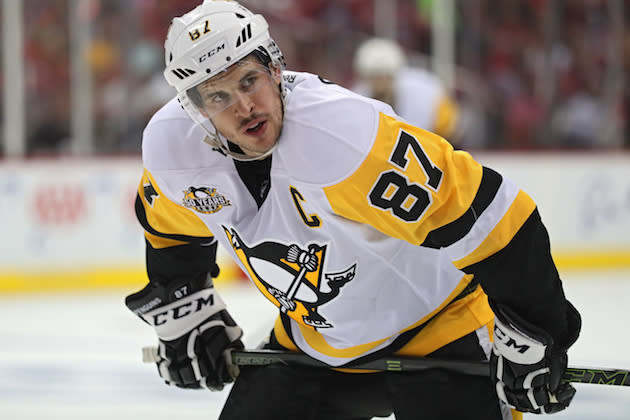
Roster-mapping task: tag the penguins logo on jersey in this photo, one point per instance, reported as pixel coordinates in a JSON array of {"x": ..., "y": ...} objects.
[
  {"x": 205, "y": 200},
  {"x": 292, "y": 277}
]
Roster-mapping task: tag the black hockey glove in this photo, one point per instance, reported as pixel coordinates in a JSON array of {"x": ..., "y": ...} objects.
[
  {"x": 526, "y": 365},
  {"x": 196, "y": 333}
]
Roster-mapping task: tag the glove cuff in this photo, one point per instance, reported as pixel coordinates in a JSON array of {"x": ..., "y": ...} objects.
[
  {"x": 511, "y": 318},
  {"x": 517, "y": 340}
]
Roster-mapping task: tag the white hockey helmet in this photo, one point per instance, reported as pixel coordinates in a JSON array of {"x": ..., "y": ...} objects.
[
  {"x": 205, "y": 42},
  {"x": 378, "y": 56}
]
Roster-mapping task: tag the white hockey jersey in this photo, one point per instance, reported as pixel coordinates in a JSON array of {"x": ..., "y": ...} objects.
[{"x": 366, "y": 227}]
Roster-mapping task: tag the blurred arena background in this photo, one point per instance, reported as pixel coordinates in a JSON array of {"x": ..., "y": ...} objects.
[
  {"x": 542, "y": 88},
  {"x": 537, "y": 82}
]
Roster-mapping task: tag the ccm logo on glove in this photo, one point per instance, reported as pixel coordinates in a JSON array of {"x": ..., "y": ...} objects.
[
  {"x": 178, "y": 317},
  {"x": 517, "y": 347},
  {"x": 180, "y": 311}
]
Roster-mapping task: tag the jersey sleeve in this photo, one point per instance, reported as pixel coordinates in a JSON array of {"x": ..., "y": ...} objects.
[
  {"x": 414, "y": 186},
  {"x": 178, "y": 244},
  {"x": 410, "y": 184}
]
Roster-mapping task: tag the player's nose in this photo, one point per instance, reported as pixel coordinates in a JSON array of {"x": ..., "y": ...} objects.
[{"x": 243, "y": 103}]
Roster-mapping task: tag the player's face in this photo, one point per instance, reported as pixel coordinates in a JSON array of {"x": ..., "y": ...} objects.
[{"x": 244, "y": 105}]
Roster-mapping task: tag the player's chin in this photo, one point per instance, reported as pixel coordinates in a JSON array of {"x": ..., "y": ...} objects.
[
  {"x": 259, "y": 148},
  {"x": 262, "y": 145}
]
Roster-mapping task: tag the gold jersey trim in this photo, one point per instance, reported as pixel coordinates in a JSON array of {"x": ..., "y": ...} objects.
[{"x": 317, "y": 342}]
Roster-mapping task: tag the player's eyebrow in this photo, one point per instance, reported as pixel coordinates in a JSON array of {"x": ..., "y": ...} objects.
[
  {"x": 248, "y": 74},
  {"x": 244, "y": 77}
]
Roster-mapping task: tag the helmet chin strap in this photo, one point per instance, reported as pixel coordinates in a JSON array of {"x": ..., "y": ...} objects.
[{"x": 214, "y": 141}]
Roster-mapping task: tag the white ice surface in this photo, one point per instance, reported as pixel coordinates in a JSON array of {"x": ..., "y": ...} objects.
[{"x": 77, "y": 356}]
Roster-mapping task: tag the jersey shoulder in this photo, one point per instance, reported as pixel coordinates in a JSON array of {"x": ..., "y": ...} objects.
[{"x": 328, "y": 129}]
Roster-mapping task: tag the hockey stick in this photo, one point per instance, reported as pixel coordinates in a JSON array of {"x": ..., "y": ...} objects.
[{"x": 584, "y": 375}]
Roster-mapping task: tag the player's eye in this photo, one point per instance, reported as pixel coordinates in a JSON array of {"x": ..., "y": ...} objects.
[
  {"x": 248, "y": 83},
  {"x": 218, "y": 97}
]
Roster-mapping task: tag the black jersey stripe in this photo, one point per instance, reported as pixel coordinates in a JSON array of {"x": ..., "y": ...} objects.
[
  {"x": 141, "y": 215},
  {"x": 286, "y": 324},
  {"x": 457, "y": 229}
]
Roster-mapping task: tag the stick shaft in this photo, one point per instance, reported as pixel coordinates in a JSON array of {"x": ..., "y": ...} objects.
[
  {"x": 586, "y": 375},
  {"x": 259, "y": 357},
  {"x": 392, "y": 364}
]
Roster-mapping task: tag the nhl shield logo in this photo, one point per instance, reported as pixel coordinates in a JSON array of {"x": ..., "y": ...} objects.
[{"x": 204, "y": 200}]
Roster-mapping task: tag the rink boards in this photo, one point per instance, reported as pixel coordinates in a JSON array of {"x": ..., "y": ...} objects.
[{"x": 70, "y": 224}]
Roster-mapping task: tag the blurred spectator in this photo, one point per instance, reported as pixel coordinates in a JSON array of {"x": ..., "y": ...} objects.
[
  {"x": 578, "y": 121},
  {"x": 416, "y": 94},
  {"x": 52, "y": 132},
  {"x": 530, "y": 73},
  {"x": 47, "y": 76}
]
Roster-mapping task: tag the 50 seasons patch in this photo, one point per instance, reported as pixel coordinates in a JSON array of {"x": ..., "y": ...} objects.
[{"x": 205, "y": 200}]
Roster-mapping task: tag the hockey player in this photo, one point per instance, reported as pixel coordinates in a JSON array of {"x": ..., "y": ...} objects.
[
  {"x": 370, "y": 235},
  {"x": 415, "y": 94}
]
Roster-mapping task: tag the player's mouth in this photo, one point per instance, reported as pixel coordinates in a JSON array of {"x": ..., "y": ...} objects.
[{"x": 256, "y": 128}]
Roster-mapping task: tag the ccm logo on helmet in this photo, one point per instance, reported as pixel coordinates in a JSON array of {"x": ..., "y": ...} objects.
[
  {"x": 509, "y": 341},
  {"x": 213, "y": 51},
  {"x": 182, "y": 311}
]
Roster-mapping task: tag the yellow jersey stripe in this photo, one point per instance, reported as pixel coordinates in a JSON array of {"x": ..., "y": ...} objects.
[
  {"x": 458, "y": 319},
  {"x": 313, "y": 339}
]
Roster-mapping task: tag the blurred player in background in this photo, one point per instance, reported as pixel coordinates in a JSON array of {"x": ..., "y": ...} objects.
[
  {"x": 417, "y": 95},
  {"x": 370, "y": 235}
]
